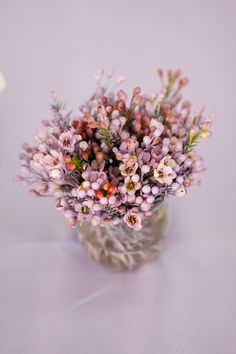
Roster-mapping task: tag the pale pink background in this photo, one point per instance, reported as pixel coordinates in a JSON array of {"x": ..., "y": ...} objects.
[{"x": 53, "y": 299}]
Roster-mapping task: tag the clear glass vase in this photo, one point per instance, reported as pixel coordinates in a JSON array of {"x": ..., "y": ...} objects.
[{"x": 121, "y": 247}]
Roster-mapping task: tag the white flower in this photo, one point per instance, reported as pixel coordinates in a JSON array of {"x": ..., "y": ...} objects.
[
  {"x": 131, "y": 185},
  {"x": 130, "y": 160},
  {"x": 83, "y": 145},
  {"x": 128, "y": 170},
  {"x": 55, "y": 173},
  {"x": 133, "y": 220},
  {"x": 164, "y": 173}
]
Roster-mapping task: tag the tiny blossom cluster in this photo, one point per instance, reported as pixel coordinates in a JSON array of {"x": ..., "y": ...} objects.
[{"x": 121, "y": 157}]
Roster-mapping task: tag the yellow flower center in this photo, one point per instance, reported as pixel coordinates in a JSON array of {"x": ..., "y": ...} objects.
[{"x": 130, "y": 185}]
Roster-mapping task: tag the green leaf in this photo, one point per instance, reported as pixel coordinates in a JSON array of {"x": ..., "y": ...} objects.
[{"x": 79, "y": 162}]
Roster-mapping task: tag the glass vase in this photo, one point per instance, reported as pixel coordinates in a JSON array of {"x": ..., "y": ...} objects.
[{"x": 123, "y": 248}]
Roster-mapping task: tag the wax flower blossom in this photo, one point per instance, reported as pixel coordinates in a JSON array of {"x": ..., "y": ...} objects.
[
  {"x": 120, "y": 157},
  {"x": 133, "y": 220}
]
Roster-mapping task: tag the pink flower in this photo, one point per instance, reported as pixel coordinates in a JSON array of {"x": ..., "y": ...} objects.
[
  {"x": 42, "y": 162},
  {"x": 67, "y": 141},
  {"x": 37, "y": 161},
  {"x": 55, "y": 189},
  {"x": 158, "y": 127},
  {"x": 41, "y": 187},
  {"x": 85, "y": 210},
  {"x": 133, "y": 220},
  {"x": 128, "y": 170},
  {"x": 129, "y": 165},
  {"x": 163, "y": 174},
  {"x": 54, "y": 160}
]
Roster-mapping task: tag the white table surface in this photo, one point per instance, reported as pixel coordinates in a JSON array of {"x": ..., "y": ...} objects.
[{"x": 53, "y": 298}]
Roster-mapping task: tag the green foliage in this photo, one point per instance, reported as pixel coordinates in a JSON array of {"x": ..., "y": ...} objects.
[
  {"x": 57, "y": 107},
  {"x": 80, "y": 163},
  {"x": 192, "y": 140},
  {"x": 106, "y": 136},
  {"x": 113, "y": 211}
]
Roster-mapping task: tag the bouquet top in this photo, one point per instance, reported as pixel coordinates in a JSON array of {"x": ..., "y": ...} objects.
[{"x": 121, "y": 157}]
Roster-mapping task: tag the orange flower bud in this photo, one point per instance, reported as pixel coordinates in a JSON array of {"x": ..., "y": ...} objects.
[
  {"x": 99, "y": 194},
  {"x": 95, "y": 148},
  {"x": 71, "y": 166},
  {"x": 85, "y": 155},
  {"x": 106, "y": 186},
  {"x": 119, "y": 156},
  {"x": 100, "y": 156},
  {"x": 166, "y": 112},
  {"x": 67, "y": 159},
  {"x": 112, "y": 189},
  {"x": 109, "y": 195},
  {"x": 187, "y": 182},
  {"x": 183, "y": 82}
]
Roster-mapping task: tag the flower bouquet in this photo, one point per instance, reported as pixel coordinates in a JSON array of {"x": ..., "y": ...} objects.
[{"x": 111, "y": 168}]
